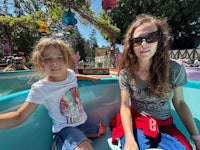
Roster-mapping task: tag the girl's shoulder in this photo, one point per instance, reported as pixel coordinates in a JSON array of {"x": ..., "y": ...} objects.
[
  {"x": 39, "y": 83},
  {"x": 71, "y": 72}
]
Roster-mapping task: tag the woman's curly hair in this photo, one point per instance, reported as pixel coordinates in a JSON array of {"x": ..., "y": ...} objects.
[
  {"x": 43, "y": 44},
  {"x": 158, "y": 81}
]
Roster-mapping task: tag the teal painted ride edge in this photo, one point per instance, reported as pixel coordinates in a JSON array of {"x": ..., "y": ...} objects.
[
  {"x": 4, "y": 74},
  {"x": 100, "y": 81},
  {"x": 193, "y": 84},
  {"x": 80, "y": 84},
  {"x": 39, "y": 125},
  {"x": 13, "y": 95}
]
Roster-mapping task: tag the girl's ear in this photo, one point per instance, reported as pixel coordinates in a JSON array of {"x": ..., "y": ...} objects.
[{"x": 42, "y": 65}]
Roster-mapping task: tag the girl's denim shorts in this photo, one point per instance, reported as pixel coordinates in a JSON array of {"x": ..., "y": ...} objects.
[{"x": 70, "y": 137}]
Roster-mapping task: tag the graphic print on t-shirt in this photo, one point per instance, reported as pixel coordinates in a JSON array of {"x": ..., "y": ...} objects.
[
  {"x": 142, "y": 100},
  {"x": 70, "y": 106}
]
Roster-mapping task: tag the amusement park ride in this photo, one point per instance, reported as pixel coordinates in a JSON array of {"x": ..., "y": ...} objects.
[{"x": 101, "y": 99}]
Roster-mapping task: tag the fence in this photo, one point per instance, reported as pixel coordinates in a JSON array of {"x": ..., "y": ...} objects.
[
  {"x": 190, "y": 54},
  {"x": 104, "y": 61}
]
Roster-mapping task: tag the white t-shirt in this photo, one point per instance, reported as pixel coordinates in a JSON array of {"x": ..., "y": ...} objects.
[{"x": 61, "y": 99}]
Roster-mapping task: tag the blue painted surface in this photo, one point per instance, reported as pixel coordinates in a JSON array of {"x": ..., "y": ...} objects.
[
  {"x": 15, "y": 81},
  {"x": 101, "y": 100},
  {"x": 191, "y": 95}
]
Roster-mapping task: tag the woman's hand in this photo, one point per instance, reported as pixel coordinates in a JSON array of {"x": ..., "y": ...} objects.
[
  {"x": 131, "y": 145},
  {"x": 197, "y": 143}
]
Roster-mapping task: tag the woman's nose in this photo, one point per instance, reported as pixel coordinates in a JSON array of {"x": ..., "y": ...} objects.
[{"x": 144, "y": 42}]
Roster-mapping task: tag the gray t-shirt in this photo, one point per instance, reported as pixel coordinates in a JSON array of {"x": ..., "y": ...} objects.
[{"x": 153, "y": 105}]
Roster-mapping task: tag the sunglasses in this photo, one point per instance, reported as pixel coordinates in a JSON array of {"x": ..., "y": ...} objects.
[{"x": 149, "y": 38}]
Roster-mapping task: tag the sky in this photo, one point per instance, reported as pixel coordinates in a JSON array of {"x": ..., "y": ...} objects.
[{"x": 85, "y": 31}]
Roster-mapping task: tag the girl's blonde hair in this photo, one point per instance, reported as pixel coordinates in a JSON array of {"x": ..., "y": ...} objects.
[
  {"x": 43, "y": 44},
  {"x": 158, "y": 81}
]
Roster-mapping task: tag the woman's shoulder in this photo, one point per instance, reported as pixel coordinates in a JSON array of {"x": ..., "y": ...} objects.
[
  {"x": 176, "y": 64},
  {"x": 123, "y": 74},
  {"x": 123, "y": 71},
  {"x": 178, "y": 72}
]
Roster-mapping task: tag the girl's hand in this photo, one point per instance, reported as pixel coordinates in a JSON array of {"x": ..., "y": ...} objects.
[
  {"x": 94, "y": 79},
  {"x": 87, "y": 77}
]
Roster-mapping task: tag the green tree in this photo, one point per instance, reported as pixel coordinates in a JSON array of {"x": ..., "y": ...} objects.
[
  {"x": 87, "y": 16},
  {"x": 92, "y": 44},
  {"x": 24, "y": 41},
  {"x": 77, "y": 43},
  {"x": 183, "y": 17},
  {"x": 51, "y": 12},
  {"x": 18, "y": 32},
  {"x": 18, "y": 27}
]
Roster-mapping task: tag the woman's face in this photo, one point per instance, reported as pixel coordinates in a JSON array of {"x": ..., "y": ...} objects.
[
  {"x": 145, "y": 39},
  {"x": 54, "y": 64}
]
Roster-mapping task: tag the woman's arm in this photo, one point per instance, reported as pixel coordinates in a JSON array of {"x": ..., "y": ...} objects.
[
  {"x": 17, "y": 117},
  {"x": 127, "y": 121},
  {"x": 184, "y": 113}
]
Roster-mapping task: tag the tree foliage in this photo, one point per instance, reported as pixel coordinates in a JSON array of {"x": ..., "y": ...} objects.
[
  {"x": 183, "y": 18},
  {"x": 92, "y": 45},
  {"x": 81, "y": 45},
  {"x": 26, "y": 13},
  {"x": 16, "y": 32}
]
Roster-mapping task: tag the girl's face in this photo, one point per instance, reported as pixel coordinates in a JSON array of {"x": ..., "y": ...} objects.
[
  {"x": 54, "y": 64},
  {"x": 145, "y": 41}
]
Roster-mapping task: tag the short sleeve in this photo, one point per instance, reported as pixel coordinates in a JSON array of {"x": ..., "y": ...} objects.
[
  {"x": 72, "y": 73},
  {"x": 36, "y": 95},
  {"x": 178, "y": 74},
  {"x": 124, "y": 79}
]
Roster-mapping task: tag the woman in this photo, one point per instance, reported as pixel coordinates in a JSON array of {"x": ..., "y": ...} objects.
[{"x": 149, "y": 80}]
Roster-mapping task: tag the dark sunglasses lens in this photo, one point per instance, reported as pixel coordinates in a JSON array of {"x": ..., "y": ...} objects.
[
  {"x": 150, "y": 38},
  {"x": 137, "y": 41},
  {"x": 153, "y": 37}
]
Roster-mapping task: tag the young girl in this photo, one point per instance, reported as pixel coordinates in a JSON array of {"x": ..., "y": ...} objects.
[
  {"x": 58, "y": 92},
  {"x": 149, "y": 80}
]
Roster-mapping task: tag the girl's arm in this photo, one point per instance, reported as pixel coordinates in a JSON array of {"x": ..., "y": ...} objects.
[
  {"x": 86, "y": 77},
  {"x": 17, "y": 117},
  {"x": 184, "y": 113}
]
